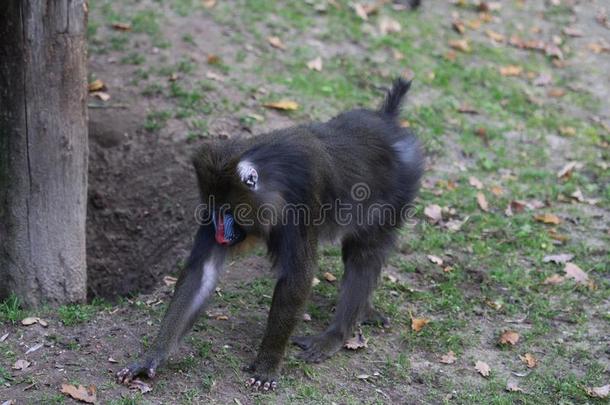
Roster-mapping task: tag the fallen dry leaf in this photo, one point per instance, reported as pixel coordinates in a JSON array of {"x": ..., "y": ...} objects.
[
  {"x": 567, "y": 131},
  {"x": 434, "y": 213},
  {"x": 455, "y": 225},
  {"x": 529, "y": 360},
  {"x": 566, "y": 171},
  {"x": 96, "y": 85},
  {"x": 597, "y": 48},
  {"x": 482, "y": 202},
  {"x": 461, "y": 45},
  {"x": 3, "y": 337},
  {"x": 602, "y": 18},
  {"x": 315, "y": 64},
  {"x": 487, "y": 6},
  {"x": 276, "y": 42},
  {"x": 497, "y": 191},
  {"x": 553, "y": 51},
  {"x": 548, "y": 218},
  {"x": 418, "y": 323},
  {"x": 556, "y": 92},
  {"x": 208, "y": 3},
  {"x": 315, "y": 281},
  {"x": 557, "y": 236},
  {"x": 543, "y": 79},
  {"x": 451, "y": 56},
  {"x": 476, "y": 183},
  {"x": 599, "y": 392},
  {"x": 553, "y": 280},
  {"x": 119, "y": 26},
  {"x": 358, "y": 341},
  {"x": 448, "y": 358},
  {"x": 458, "y": 26},
  {"x": 578, "y": 196},
  {"x": 513, "y": 386},
  {"x": 214, "y": 76},
  {"x": 509, "y": 337},
  {"x": 21, "y": 364},
  {"x": 284, "y": 105},
  {"x": 306, "y": 317},
  {"x": 388, "y": 25},
  {"x": 213, "y": 59},
  {"x": 330, "y": 277},
  {"x": 361, "y": 11},
  {"x": 435, "y": 259},
  {"x": 33, "y": 320},
  {"x": 483, "y": 368},
  {"x": 101, "y": 95},
  {"x": 511, "y": 70},
  {"x": 80, "y": 393},
  {"x": 495, "y": 36},
  {"x": 112, "y": 360},
  {"x": 558, "y": 259},
  {"x": 572, "y": 32},
  {"x": 574, "y": 272},
  {"x": 139, "y": 385}
]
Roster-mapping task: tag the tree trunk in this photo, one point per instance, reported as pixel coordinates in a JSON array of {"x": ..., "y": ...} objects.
[{"x": 43, "y": 150}]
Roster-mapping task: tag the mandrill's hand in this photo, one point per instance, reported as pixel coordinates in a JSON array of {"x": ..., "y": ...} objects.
[{"x": 144, "y": 367}]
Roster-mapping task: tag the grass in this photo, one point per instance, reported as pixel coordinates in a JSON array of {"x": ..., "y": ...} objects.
[
  {"x": 10, "y": 310},
  {"x": 498, "y": 272},
  {"x": 74, "y": 314}
]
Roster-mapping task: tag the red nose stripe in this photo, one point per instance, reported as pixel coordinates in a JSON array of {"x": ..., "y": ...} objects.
[{"x": 220, "y": 230}]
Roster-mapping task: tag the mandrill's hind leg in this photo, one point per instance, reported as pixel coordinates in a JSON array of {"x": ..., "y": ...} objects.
[{"x": 363, "y": 261}]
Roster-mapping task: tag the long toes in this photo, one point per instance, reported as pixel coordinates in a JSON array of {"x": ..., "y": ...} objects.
[
  {"x": 304, "y": 342},
  {"x": 124, "y": 376},
  {"x": 261, "y": 384}
]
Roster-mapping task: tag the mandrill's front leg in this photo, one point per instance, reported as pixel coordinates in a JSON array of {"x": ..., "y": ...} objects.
[
  {"x": 296, "y": 260},
  {"x": 194, "y": 287}
]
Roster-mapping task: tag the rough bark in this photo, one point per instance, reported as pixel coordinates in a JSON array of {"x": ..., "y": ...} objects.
[{"x": 43, "y": 150}]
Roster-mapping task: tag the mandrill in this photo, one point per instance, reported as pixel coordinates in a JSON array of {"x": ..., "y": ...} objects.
[{"x": 350, "y": 179}]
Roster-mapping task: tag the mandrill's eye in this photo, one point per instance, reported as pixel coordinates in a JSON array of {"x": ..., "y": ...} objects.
[{"x": 248, "y": 174}]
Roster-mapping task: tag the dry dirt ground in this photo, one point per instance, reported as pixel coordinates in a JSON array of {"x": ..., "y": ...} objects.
[{"x": 507, "y": 93}]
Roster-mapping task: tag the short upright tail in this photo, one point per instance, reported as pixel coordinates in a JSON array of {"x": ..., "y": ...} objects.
[{"x": 393, "y": 100}]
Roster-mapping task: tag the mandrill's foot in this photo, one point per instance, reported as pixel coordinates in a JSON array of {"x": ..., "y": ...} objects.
[
  {"x": 263, "y": 377},
  {"x": 146, "y": 367},
  {"x": 318, "y": 348}
]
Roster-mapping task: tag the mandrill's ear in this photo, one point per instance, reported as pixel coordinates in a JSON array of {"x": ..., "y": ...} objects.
[{"x": 248, "y": 174}]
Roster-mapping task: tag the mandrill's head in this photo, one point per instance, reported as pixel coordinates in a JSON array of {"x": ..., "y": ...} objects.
[
  {"x": 246, "y": 184},
  {"x": 230, "y": 190}
]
